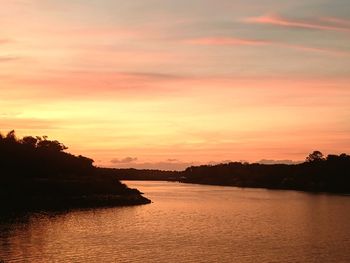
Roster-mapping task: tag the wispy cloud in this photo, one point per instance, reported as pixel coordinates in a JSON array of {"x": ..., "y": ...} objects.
[
  {"x": 162, "y": 165},
  {"x": 226, "y": 41},
  {"x": 150, "y": 75},
  {"x": 124, "y": 160},
  {"x": 8, "y": 123},
  {"x": 83, "y": 84},
  {"x": 4, "y": 41},
  {"x": 315, "y": 49},
  {"x": 8, "y": 58},
  {"x": 335, "y": 20},
  {"x": 330, "y": 24},
  {"x": 110, "y": 32},
  {"x": 271, "y": 161}
]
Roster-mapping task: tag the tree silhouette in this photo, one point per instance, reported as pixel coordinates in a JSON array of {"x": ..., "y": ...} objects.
[
  {"x": 37, "y": 172},
  {"x": 315, "y": 156},
  {"x": 11, "y": 137},
  {"x": 30, "y": 141}
]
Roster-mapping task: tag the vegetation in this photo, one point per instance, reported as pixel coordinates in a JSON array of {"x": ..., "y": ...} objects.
[
  {"x": 317, "y": 173},
  {"x": 37, "y": 173},
  {"x": 141, "y": 174}
]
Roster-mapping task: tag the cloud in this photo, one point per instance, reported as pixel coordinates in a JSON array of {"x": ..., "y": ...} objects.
[
  {"x": 339, "y": 21},
  {"x": 150, "y": 76},
  {"x": 124, "y": 160},
  {"x": 172, "y": 160},
  {"x": 98, "y": 32},
  {"x": 7, "y": 59},
  {"x": 226, "y": 41},
  {"x": 8, "y": 123},
  {"x": 277, "y": 20},
  {"x": 269, "y": 161},
  {"x": 220, "y": 162},
  {"x": 314, "y": 49},
  {"x": 57, "y": 84},
  {"x": 4, "y": 41},
  {"x": 231, "y": 41},
  {"x": 165, "y": 165}
]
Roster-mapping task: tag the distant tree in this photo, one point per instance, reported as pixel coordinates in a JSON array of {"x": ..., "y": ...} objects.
[
  {"x": 86, "y": 160},
  {"x": 29, "y": 140},
  {"x": 55, "y": 146},
  {"x": 344, "y": 156},
  {"x": 336, "y": 158},
  {"x": 11, "y": 136},
  {"x": 315, "y": 156},
  {"x": 332, "y": 157}
]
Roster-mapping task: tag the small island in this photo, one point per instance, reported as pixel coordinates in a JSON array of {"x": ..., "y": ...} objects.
[{"x": 37, "y": 173}]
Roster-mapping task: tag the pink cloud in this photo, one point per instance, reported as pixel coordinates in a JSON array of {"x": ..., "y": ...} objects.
[
  {"x": 162, "y": 165},
  {"x": 285, "y": 22},
  {"x": 217, "y": 41},
  {"x": 314, "y": 49},
  {"x": 8, "y": 59},
  {"x": 107, "y": 31},
  {"x": 82, "y": 84},
  {"x": 8, "y": 124},
  {"x": 4, "y": 41},
  {"x": 124, "y": 160},
  {"x": 226, "y": 41},
  {"x": 334, "y": 20}
]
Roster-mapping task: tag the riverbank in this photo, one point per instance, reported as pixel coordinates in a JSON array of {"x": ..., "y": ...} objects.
[{"x": 317, "y": 174}]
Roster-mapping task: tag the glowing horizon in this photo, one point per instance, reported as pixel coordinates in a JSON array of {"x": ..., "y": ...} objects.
[{"x": 165, "y": 85}]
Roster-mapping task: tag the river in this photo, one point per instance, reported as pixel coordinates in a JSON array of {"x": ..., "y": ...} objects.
[{"x": 188, "y": 223}]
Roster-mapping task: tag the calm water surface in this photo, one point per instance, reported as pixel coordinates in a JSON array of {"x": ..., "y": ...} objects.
[{"x": 188, "y": 223}]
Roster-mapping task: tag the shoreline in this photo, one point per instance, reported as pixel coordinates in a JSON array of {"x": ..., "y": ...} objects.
[
  {"x": 244, "y": 187},
  {"x": 57, "y": 203}
]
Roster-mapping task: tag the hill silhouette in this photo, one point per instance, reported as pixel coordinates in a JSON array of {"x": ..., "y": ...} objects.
[{"x": 36, "y": 172}]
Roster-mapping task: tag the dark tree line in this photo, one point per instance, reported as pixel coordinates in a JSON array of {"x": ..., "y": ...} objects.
[
  {"x": 317, "y": 173},
  {"x": 141, "y": 174},
  {"x": 37, "y": 172},
  {"x": 39, "y": 157}
]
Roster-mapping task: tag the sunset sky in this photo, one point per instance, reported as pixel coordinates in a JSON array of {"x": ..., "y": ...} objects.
[{"x": 167, "y": 84}]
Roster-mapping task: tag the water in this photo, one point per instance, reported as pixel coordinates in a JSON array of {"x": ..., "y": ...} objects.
[{"x": 188, "y": 223}]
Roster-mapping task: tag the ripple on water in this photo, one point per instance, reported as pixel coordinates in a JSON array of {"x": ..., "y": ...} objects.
[{"x": 188, "y": 223}]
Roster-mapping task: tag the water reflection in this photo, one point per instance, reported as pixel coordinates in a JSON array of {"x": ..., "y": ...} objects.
[{"x": 188, "y": 223}]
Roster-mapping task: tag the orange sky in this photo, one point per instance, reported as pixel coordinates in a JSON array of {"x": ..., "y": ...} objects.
[{"x": 165, "y": 84}]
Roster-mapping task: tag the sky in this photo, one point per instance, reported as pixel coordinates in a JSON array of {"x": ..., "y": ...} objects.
[{"x": 168, "y": 84}]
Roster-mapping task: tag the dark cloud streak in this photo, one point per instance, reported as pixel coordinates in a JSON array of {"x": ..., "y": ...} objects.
[{"x": 124, "y": 160}]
